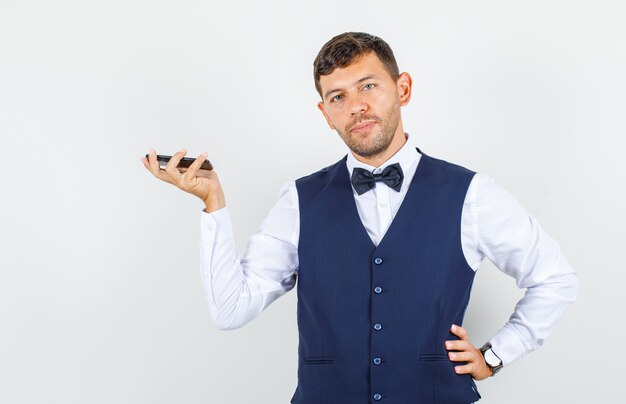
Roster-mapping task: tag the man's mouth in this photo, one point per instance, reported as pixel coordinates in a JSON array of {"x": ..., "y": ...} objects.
[{"x": 363, "y": 126}]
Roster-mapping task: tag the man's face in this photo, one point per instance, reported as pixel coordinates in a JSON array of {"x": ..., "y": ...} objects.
[{"x": 362, "y": 103}]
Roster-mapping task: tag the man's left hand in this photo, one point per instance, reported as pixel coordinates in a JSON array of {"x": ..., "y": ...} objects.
[{"x": 464, "y": 351}]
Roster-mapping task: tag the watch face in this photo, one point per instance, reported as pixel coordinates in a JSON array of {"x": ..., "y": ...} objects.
[{"x": 491, "y": 358}]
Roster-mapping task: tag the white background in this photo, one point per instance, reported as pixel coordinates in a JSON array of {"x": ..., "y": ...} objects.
[{"x": 100, "y": 292}]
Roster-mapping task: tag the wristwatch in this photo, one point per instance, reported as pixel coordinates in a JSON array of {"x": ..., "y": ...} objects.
[{"x": 493, "y": 362}]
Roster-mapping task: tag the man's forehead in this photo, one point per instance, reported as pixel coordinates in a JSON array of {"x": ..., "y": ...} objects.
[{"x": 364, "y": 65}]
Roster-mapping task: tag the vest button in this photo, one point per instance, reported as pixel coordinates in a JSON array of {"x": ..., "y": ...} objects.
[
  {"x": 378, "y": 260},
  {"x": 377, "y": 326},
  {"x": 376, "y": 361},
  {"x": 377, "y": 397},
  {"x": 378, "y": 289}
]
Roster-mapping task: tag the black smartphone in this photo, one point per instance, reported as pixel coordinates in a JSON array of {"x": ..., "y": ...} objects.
[{"x": 184, "y": 162}]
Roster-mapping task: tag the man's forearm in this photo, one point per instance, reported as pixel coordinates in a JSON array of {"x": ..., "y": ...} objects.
[{"x": 537, "y": 313}]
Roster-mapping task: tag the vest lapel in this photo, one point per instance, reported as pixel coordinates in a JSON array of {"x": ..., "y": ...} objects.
[{"x": 344, "y": 186}]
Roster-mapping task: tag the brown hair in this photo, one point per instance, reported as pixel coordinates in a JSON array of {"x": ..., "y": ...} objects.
[{"x": 344, "y": 49}]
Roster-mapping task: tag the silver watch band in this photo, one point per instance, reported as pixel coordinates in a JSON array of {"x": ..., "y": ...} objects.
[{"x": 492, "y": 360}]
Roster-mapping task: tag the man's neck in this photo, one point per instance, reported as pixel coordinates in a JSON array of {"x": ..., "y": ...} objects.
[{"x": 399, "y": 139}]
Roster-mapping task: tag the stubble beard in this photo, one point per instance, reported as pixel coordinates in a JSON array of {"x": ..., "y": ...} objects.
[{"x": 376, "y": 143}]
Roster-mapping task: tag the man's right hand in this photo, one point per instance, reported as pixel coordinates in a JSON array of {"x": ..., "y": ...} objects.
[{"x": 202, "y": 183}]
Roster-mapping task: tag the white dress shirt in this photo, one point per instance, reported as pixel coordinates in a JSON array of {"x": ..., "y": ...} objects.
[{"x": 493, "y": 225}]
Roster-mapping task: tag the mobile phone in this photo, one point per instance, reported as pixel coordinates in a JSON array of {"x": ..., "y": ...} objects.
[{"x": 184, "y": 162}]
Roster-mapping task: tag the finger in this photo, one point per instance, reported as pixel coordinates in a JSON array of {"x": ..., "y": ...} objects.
[
  {"x": 459, "y": 345},
  {"x": 463, "y": 356},
  {"x": 146, "y": 163},
  {"x": 155, "y": 169},
  {"x": 153, "y": 163},
  {"x": 200, "y": 173},
  {"x": 144, "y": 160},
  {"x": 171, "y": 169},
  {"x": 464, "y": 369},
  {"x": 192, "y": 170},
  {"x": 458, "y": 331}
]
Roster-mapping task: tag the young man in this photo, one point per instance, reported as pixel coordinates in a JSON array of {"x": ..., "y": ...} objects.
[{"x": 384, "y": 245}]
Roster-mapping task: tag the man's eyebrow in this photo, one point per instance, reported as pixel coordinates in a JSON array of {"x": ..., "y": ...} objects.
[{"x": 369, "y": 76}]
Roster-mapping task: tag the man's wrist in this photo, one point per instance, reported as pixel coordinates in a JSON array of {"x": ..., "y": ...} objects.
[
  {"x": 493, "y": 362},
  {"x": 213, "y": 204}
]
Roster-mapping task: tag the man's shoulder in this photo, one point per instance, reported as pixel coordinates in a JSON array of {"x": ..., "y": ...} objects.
[
  {"x": 321, "y": 174},
  {"x": 448, "y": 167}
]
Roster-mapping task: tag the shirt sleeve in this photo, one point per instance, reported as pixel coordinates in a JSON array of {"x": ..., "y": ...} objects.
[
  {"x": 517, "y": 244},
  {"x": 239, "y": 289}
]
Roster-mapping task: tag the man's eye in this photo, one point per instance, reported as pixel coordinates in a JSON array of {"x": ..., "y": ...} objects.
[
  {"x": 369, "y": 86},
  {"x": 336, "y": 98}
]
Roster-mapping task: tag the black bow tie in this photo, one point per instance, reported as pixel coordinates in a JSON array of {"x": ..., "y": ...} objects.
[{"x": 363, "y": 180}]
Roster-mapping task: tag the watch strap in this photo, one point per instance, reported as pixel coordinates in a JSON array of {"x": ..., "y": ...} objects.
[{"x": 494, "y": 369}]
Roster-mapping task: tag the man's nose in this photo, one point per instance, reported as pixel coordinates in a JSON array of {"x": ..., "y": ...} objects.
[{"x": 358, "y": 106}]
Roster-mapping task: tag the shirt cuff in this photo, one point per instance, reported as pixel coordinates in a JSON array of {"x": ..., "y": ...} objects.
[
  {"x": 508, "y": 345},
  {"x": 216, "y": 226}
]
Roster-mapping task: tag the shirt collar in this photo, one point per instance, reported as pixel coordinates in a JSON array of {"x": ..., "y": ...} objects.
[{"x": 406, "y": 156}]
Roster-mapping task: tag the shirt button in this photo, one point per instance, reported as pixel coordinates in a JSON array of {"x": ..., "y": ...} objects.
[
  {"x": 377, "y": 327},
  {"x": 376, "y": 361},
  {"x": 383, "y": 205},
  {"x": 377, "y": 397},
  {"x": 378, "y": 289},
  {"x": 378, "y": 260}
]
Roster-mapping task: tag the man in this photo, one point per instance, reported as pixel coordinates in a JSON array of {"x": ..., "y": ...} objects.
[{"x": 384, "y": 245}]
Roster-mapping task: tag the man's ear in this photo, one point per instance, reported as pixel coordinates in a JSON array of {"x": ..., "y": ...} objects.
[
  {"x": 320, "y": 106},
  {"x": 404, "y": 83}
]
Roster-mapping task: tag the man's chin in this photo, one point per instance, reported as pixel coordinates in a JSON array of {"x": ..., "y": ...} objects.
[
  {"x": 358, "y": 143},
  {"x": 369, "y": 152}
]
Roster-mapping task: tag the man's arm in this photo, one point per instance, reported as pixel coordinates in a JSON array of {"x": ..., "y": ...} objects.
[
  {"x": 239, "y": 289},
  {"x": 497, "y": 227},
  {"x": 517, "y": 244}
]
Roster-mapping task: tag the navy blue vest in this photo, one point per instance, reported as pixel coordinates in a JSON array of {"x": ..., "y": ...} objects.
[{"x": 372, "y": 320}]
